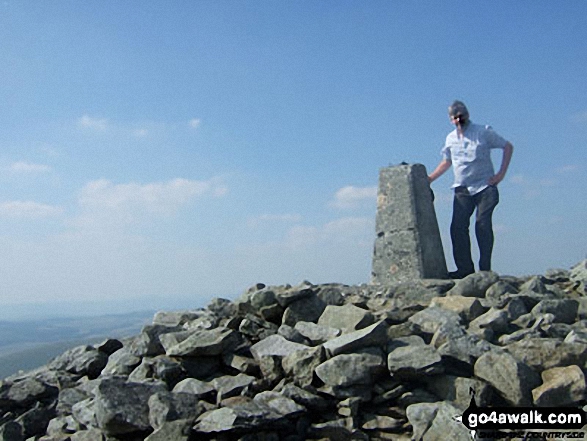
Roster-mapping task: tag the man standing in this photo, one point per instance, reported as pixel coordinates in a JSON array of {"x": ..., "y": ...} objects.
[{"x": 468, "y": 150}]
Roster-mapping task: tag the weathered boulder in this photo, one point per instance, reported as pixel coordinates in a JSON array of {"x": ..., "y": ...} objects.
[
  {"x": 123, "y": 407},
  {"x": 206, "y": 342},
  {"x": 82, "y": 360},
  {"x": 358, "y": 368},
  {"x": 474, "y": 285},
  {"x": 562, "y": 386},
  {"x": 316, "y": 334},
  {"x": 348, "y": 318},
  {"x": 413, "y": 360},
  {"x": 513, "y": 379},
  {"x": 374, "y": 335}
]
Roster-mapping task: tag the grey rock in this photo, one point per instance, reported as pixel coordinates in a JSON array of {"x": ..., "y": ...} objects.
[
  {"x": 421, "y": 416},
  {"x": 206, "y": 343},
  {"x": 177, "y": 430},
  {"x": 200, "y": 367},
  {"x": 381, "y": 422},
  {"x": 68, "y": 398},
  {"x": 110, "y": 346},
  {"x": 347, "y": 318},
  {"x": 515, "y": 308},
  {"x": 282, "y": 405},
  {"x": 495, "y": 319},
  {"x": 25, "y": 393},
  {"x": 228, "y": 386},
  {"x": 331, "y": 430},
  {"x": 445, "y": 427},
  {"x": 246, "y": 365},
  {"x": 316, "y": 334},
  {"x": 352, "y": 369},
  {"x": 147, "y": 343},
  {"x": 513, "y": 379},
  {"x": 11, "y": 431},
  {"x": 90, "y": 434},
  {"x": 62, "y": 426},
  {"x": 34, "y": 421},
  {"x": 159, "y": 368},
  {"x": 291, "y": 334},
  {"x": 275, "y": 345},
  {"x": 468, "y": 308},
  {"x": 293, "y": 294},
  {"x": 414, "y": 361},
  {"x": 175, "y": 318},
  {"x": 457, "y": 390},
  {"x": 374, "y": 335},
  {"x": 496, "y": 292},
  {"x": 305, "y": 398},
  {"x": 578, "y": 276},
  {"x": 564, "y": 310},
  {"x": 474, "y": 285},
  {"x": 300, "y": 365},
  {"x": 331, "y": 295},
  {"x": 447, "y": 332},
  {"x": 536, "y": 284},
  {"x": 82, "y": 360},
  {"x": 562, "y": 386},
  {"x": 171, "y": 339},
  {"x": 466, "y": 348},
  {"x": 122, "y": 362},
  {"x": 85, "y": 413},
  {"x": 308, "y": 309},
  {"x": 221, "y": 307},
  {"x": 547, "y": 353},
  {"x": 429, "y": 320},
  {"x": 576, "y": 336},
  {"x": 122, "y": 407},
  {"x": 243, "y": 417},
  {"x": 167, "y": 406},
  {"x": 194, "y": 387}
]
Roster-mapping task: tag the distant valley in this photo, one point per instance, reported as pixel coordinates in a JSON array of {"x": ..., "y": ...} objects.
[{"x": 25, "y": 345}]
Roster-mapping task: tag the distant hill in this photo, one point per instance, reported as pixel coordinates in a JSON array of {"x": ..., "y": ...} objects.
[{"x": 25, "y": 345}]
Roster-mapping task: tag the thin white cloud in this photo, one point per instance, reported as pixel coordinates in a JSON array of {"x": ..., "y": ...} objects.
[
  {"x": 580, "y": 117},
  {"x": 27, "y": 167},
  {"x": 194, "y": 123},
  {"x": 343, "y": 230},
  {"x": 569, "y": 168},
  {"x": 106, "y": 203},
  {"x": 273, "y": 218},
  {"x": 140, "y": 133},
  {"x": 97, "y": 124},
  {"x": 28, "y": 210},
  {"x": 353, "y": 197}
]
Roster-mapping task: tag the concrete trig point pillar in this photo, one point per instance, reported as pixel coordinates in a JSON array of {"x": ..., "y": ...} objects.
[{"x": 408, "y": 244}]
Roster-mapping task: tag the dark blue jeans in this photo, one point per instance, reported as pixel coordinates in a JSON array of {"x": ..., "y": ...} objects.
[{"x": 463, "y": 207}]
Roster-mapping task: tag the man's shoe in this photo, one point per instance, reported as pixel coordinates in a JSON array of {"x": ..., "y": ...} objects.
[{"x": 458, "y": 275}]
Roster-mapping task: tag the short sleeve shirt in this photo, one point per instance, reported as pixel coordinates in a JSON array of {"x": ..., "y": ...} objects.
[{"x": 471, "y": 155}]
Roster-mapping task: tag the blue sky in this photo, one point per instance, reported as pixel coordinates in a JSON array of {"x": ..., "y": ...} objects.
[{"x": 158, "y": 154}]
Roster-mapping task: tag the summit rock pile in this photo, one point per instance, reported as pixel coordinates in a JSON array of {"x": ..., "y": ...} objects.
[{"x": 336, "y": 362}]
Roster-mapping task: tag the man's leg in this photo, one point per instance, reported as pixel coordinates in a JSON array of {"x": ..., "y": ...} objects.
[
  {"x": 486, "y": 202},
  {"x": 463, "y": 207}
]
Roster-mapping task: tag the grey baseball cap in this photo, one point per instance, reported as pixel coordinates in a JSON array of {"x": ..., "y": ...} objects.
[{"x": 458, "y": 108}]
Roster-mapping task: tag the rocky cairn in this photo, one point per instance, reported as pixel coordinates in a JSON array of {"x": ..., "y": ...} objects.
[{"x": 336, "y": 362}]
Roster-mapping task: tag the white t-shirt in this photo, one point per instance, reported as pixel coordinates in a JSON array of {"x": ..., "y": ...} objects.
[{"x": 471, "y": 155}]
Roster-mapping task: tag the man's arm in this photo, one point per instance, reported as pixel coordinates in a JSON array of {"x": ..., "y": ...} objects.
[
  {"x": 440, "y": 169},
  {"x": 508, "y": 150}
]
